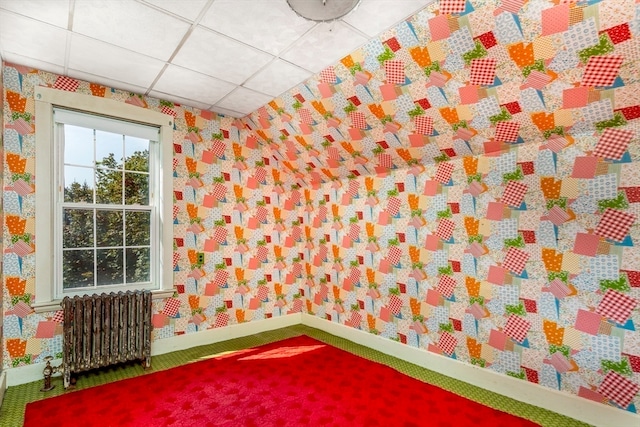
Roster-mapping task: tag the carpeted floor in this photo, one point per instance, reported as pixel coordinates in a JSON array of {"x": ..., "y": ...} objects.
[{"x": 16, "y": 398}]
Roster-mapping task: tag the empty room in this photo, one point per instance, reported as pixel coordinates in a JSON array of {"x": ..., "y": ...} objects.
[{"x": 320, "y": 213}]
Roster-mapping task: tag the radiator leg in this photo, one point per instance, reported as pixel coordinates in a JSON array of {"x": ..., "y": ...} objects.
[
  {"x": 146, "y": 362},
  {"x": 67, "y": 379}
]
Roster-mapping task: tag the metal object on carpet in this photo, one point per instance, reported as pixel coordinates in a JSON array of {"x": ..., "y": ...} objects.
[
  {"x": 47, "y": 372},
  {"x": 106, "y": 329}
]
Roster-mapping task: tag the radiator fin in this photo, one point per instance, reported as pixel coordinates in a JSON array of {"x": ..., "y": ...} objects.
[{"x": 102, "y": 330}]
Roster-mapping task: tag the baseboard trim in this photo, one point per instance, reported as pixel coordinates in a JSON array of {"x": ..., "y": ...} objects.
[
  {"x": 33, "y": 372},
  {"x": 28, "y": 373},
  {"x": 3, "y": 385},
  {"x": 554, "y": 400},
  {"x": 183, "y": 342}
]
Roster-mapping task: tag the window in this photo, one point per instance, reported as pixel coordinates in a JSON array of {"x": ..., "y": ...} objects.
[
  {"x": 106, "y": 212},
  {"x": 109, "y": 166}
]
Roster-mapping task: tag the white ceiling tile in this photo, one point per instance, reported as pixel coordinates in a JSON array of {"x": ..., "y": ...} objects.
[
  {"x": 268, "y": 25},
  {"x": 102, "y": 59},
  {"x": 323, "y": 46},
  {"x": 179, "y": 100},
  {"x": 192, "y": 85},
  {"x": 12, "y": 58},
  {"x": 105, "y": 81},
  {"x": 131, "y": 25},
  {"x": 219, "y": 56},
  {"x": 226, "y": 112},
  {"x": 54, "y": 12},
  {"x": 277, "y": 77},
  {"x": 259, "y": 44},
  {"x": 374, "y": 16},
  {"x": 244, "y": 100},
  {"x": 51, "y": 41},
  {"x": 189, "y": 9}
]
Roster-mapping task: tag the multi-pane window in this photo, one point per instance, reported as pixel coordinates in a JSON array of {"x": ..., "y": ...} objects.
[{"x": 106, "y": 206}]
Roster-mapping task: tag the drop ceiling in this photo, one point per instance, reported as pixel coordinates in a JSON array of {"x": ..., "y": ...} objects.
[{"x": 227, "y": 56}]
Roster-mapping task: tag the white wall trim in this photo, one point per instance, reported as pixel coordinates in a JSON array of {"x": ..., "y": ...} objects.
[
  {"x": 33, "y": 372},
  {"x": 524, "y": 391},
  {"x": 183, "y": 342},
  {"x": 3, "y": 385}
]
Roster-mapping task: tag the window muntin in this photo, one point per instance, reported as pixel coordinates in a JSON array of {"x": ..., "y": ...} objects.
[{"x": 107, "y": 215}]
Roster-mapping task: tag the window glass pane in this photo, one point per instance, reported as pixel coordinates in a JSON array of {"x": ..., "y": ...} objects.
[
  {"x": 78, "y": 145},
  {"x": 77, "y": 228},
  {"x": 77, "y": 268},
  {"x": 109, "y": 267},
  {"x": 138, "y": 228},
  {"x": 108, "y": 186},
  {"x": 109, "y": 228},
  {"x": 136, "y": 152},
  {"x": 78, "y": 184},
  {"x": 138, "y": 265},
  {"x": 107, "y": 166},
  {"x": 136, "y": 188},
  {"x": 109, "y": 149}
]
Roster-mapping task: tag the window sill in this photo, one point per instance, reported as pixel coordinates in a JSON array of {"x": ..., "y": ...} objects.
[{"x": 48, "y": 306}]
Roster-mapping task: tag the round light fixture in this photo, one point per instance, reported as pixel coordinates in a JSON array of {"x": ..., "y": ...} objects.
[{"x": 322, "y": 10}]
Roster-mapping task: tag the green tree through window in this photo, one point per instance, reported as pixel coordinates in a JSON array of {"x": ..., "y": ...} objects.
[{"x": 108, "y": 242}]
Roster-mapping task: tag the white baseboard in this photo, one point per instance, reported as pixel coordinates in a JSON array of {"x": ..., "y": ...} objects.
[
  {"x": 3, "y": 385},
  {"x": 28, "y": 373},
  {"x": 182, "y": 342},
  {"x": 33, "y": 372},
  {"x": 563, "y": 403}
]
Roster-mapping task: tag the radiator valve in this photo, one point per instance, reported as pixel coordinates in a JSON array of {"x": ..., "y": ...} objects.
[{"x": 48, "y": 371}]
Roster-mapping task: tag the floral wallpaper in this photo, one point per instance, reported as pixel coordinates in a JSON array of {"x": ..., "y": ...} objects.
[{"x": 466, "y": 183}]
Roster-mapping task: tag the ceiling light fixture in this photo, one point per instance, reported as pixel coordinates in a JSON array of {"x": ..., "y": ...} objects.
[{"x": 322, "y": 10}]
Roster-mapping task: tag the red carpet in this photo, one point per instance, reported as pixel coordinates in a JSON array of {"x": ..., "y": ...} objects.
[{"x": 295, "y": 382}]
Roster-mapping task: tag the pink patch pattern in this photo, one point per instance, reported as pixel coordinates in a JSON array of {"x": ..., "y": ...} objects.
[
  {"x": 616, "y": 306},
  {"x": 515, "y": 260},
  {"x": 452, "y": 6},
  {"x": 483, "y": 71},
  {"x": 514, "y": 193},
  {"x": 613, "y": 143},
  {"x": 615, "y": 224},
  {"x": 66, "y": 83},
  {"x": 445, "y": 229},
  {"x": 447, "y": 343},
  {"x": 602, "y": 70},
  {"x": 443, "y": 174},
  {"x": 517, "y": 328},
  {"x": 328, "y": 75},
  {"x": 446, "y": 286},
  {"x": 618, "y": 388},
  {"x": 507, "y": 131},
  {"x": 424, "y": 125},
  {"x": 394, "y": 70}
]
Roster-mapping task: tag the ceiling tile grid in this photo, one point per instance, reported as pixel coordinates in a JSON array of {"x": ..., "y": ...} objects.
[{"x": 259, "y": 46}]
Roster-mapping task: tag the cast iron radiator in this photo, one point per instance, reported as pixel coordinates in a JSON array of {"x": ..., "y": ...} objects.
[{"x": 106, "y": 329}]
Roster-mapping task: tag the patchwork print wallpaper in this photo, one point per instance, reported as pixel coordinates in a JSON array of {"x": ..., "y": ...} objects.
[
  {"x": 213, "y": 214},
  {"x": 467, "y": 183},
  {"x": 1, "y": 215},
  {"x": 470, "y": 187}
]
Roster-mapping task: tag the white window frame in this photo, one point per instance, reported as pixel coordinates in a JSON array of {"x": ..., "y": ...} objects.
[{"x": 45, "y": 101}]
